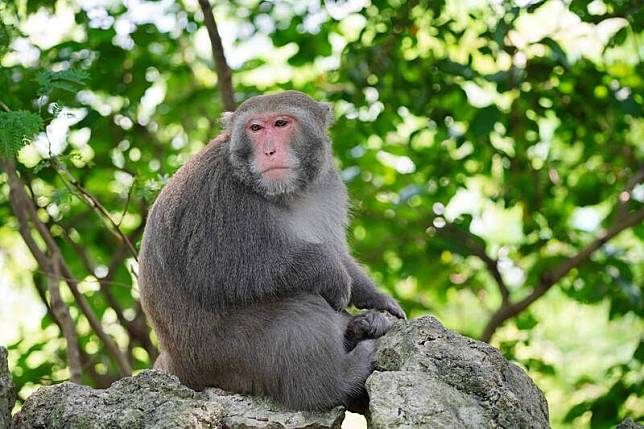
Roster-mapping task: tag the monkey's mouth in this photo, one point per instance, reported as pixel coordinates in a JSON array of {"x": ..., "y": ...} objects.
[
  {"x": 276, "y": 173},
  {"x": 275, "y": 168}
]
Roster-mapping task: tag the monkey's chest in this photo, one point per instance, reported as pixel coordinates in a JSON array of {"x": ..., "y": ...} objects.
[{"x": 315, "y": 223}]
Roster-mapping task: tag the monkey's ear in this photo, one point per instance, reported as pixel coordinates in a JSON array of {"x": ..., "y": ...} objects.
[
  {"x": 327, "y": 112},
  {"x": 226, "y": 120}
]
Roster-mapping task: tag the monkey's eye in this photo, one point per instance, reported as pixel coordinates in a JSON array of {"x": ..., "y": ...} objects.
[
  {"x": 255, "y": 127},
  {"x": 281, "y": 123}
]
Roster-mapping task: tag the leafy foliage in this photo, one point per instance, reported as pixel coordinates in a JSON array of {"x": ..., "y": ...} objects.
[
  {"x": 67, "y": 80},
  {"x": 470, "y": 135},
  {"x": 604, "y": 409},
  {"x": 16, "y": 130}
]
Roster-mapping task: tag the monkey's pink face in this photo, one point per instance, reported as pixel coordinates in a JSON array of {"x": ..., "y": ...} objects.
[{"x": 271, "y": 134}]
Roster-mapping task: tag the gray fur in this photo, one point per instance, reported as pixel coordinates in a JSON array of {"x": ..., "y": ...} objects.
[
  {"x": 246, "y": 285},
  {"x": 369, "y": 324}
]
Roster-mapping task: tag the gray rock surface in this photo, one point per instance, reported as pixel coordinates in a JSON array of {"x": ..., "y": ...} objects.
[
  {"x": 248, "y": 412},
  {"x": 428, "y": 376},
  {"x": 629, "y": 424},
  {"x": 7, "y": 392},
  {"x": 149, "y": 400},
  {"x": 153, "y": 399}
]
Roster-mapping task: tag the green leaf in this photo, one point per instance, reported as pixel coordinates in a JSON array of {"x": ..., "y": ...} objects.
[
  {"x": 558, "y": 54},
  {"x": 526, "y": 321},
  {"x": 61, "y": 196},
  {"x": 70, "y": 80},
  {"x": 16, "y": 130},
  {"x": 484, "y": 121},
  {"x": 540, "y": 366},
  {"x": 576, "y": 411}
]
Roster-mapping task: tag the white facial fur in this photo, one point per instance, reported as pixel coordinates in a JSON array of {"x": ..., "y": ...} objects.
[{"x": 280, "y": 186}]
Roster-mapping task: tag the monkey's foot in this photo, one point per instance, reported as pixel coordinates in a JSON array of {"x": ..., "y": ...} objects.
[{"x": 370, "y": 324}]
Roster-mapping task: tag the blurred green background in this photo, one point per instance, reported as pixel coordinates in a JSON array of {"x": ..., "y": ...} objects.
[{"x": 493, "y": 151}]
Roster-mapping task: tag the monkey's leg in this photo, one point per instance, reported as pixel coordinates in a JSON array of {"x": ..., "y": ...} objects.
[
  {"x": 369, "y": 324},
  {"x": 293, "y": 350},
  {"x": 163, "y": 362}
]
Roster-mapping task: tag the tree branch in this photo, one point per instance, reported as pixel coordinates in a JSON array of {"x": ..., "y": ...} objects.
[
  {"x": 78, "y": 249},
  {"x": 101, "y": 381},
  {"x": 25, "y": 210},
  {"x": 136, "y": 328},
  {"x": 127, "y": 204},
  {"x": 491, "y": 264},
  {"x": 550, "y": 278},
  {"x": 224, "y": 75},
  {"x": 60, "y": 309}
]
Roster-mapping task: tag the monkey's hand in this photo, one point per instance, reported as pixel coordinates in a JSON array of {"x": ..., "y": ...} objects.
[
  {"x": 379, "y": 301},
  {"x": 388, "y": 304}
]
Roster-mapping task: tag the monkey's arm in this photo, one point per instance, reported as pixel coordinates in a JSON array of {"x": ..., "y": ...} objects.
[
  {"x": 364, "y": 293},
  {"x": 318, "y": 269}
]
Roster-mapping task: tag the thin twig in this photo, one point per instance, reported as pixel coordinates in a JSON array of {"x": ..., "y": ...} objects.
[
  {"x": 224, "y": 75},
  {"x": 89, "y": 280},
  {"x": 127, "y": 204},
  {"x": 96, "y": 205},
  {"x": 89, "y": 199},
  {"x": 4, "y": 106},
  {"x": 100, "y": 381},
  {"x": 136, "y": 328},
  {"x": 78, "y": 249}
]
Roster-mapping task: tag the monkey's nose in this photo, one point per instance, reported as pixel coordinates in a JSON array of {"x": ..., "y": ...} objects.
[{"x": 270, "y": 152}]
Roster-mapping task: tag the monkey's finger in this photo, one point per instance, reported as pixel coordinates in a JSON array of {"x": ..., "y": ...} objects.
[{"x": 394, "y": 308}]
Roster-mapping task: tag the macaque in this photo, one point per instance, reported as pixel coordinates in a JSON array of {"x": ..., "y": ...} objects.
[{"x": 245, "y": 273}]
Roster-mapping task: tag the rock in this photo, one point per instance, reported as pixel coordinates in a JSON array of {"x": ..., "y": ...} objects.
[
  {"x": 153, "y": 399},
  {"x": 247, "y": 412},
  {"x": 629, "y": 424},
  {"x": 428, "y": 376},
  {"x": 150, "y": 399},
  {"x": 7, "y": 391}
]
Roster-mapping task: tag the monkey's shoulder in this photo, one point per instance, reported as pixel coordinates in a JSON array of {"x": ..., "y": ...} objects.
[
  {"x": 205, "y": 169},
  {"x": 192, "y": 188}
]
